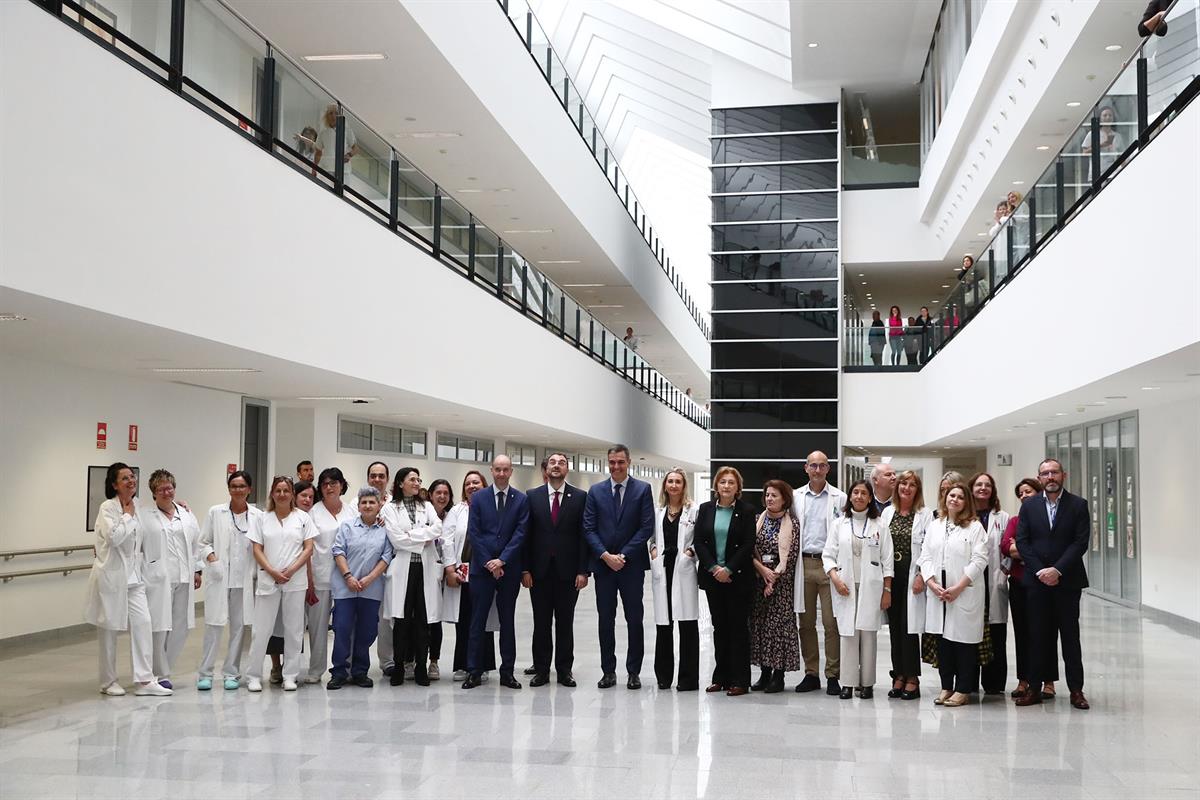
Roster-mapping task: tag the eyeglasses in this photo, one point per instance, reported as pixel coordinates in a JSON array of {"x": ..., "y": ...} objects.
[{"x": 816, "y": 466}]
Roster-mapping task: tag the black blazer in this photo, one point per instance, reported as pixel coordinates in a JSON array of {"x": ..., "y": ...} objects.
[
  {"x": 739, "y": 546},
  {"x": 1063, "y": 546},
  {"x": 565, "y": 540}
]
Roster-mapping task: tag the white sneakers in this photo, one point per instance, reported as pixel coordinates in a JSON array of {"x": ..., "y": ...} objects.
[
  {"x": 312, "y": 678},
  {"x": 152, "y": 689},
  {"x": 113, "y": 690},
  {"x": 254, "y": 685},
  {"x": 289, "y": 685}
]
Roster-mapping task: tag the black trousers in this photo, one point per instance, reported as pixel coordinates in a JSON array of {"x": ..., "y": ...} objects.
[
  {"x": 410, "y": 634},
  {"x": 957, "y": 665},
  {"x": 435, "y": 641},
  {"x": 553, "y": 601},
  {"x": 1054, "y": 610},
  {"x": 664, "y": 644},
  {"x": 462, "y": 637},
  {"x": 729, "y": 606},
  {"x": 994, "y": 675},
  {"x": 1018, "y": 605},
  {"x": 906, "y": 647}
]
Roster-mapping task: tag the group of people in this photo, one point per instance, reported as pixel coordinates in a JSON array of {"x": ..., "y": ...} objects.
[
  {"x": 403, "y": 558},
  {"x": 910, "y": 338}
]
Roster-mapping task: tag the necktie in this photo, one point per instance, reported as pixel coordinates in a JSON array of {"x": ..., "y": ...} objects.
[
  {"x": 554, "y": 508},
  {"x": 500, "y": 501},
  {"x": 619, "y": 498}
]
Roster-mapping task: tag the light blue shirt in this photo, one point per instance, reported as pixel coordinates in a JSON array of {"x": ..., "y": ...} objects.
[
  {"x": 816, "y": 521},
  {"x": 1051, "y": 508},
  {"x": 363, "y": 548}
]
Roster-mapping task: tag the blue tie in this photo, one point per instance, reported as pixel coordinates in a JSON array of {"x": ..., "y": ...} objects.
[
  {"x": 619, "y": 488},
  {"x": 500, "y": 502}
]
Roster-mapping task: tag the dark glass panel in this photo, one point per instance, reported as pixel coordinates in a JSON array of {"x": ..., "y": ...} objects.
[
  {"x": 775, "y": 325},
  {"x": 775, "y": 236},
  {"x": 737, "y": 296},
  {"x": 774, "y": 385},
  {"x": 771, "y": 444},
  {"x": 744, "y": 266},
  {"x": 773, "y": 355},
  {"x": 774, "y": 415}
]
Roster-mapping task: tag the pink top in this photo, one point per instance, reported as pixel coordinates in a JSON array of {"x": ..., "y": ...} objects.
[{"x": 896, "y": 326}]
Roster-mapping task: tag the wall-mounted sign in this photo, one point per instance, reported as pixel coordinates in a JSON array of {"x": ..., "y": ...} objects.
[
  {"x": 133, "y": 437},
  {"x": 101, "y": 435}
]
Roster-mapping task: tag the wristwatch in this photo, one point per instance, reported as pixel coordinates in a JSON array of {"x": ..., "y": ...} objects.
[{"x": 887, "y": 588}]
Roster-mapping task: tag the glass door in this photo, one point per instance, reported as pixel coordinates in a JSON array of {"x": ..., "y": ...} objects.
[
  {"x": 255, "y": 422},
  {"x": 1110, "y": 482},
  {"x": 1095, "y": 552},
  {"x": 1128, "y": 531}
]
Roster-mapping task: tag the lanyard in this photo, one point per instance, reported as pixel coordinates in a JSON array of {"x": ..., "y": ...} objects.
[{"x": 234, "y": 517}]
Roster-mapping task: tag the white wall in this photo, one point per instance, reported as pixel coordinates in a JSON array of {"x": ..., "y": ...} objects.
[
  {"x": 48, "y": 438},
  {"x": 218, "y": 225},
  {"x": 881, "y": 226}
]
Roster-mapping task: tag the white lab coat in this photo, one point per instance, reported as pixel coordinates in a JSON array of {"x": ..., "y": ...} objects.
[
  {"x": 685, "y": 593},
  {"x": 157, "y": 572},
  {"x": 916, "y": 602},
  {"x": 327, "y": 528},
  {"x": 876, "y": 563},
  {"x": 454, "y": 539},
  {"x": 408, "y": 537},
  {"x": 997, "y": 578},
  {"x": 218, "y": 535},
  {"x": 958, "y": 551},
  {"x": 800, "y": 501},
  {"x": 118, "y": 553}
]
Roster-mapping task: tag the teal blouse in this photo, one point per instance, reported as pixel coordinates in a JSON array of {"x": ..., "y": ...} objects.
[{"x": 721, "y": 531}]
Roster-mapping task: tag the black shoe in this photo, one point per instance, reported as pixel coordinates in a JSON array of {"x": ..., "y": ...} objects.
[
  {"x": 833, "y": 688},
  {"x": 567, "y": 680},
  {"x": 539, "y": 680},
  {"x": 422, "y": 681},
  {"x": 362, "y": 680},
  {"x": 607, "y": 682},
  {"x": 776, "y": 684},
  {"x": 335, "y": 683},
  {"x": 472, "y": 681},
  {"x": 509, "y": 682},
  {"x": 388, "y": 670},
  {"x": 866, "y": 692},
  {"x": 896, "y": 691},
  {"x": 810, "y": 684},
  {"x": 915, "y": 694},
  {"x": 681, "y": 688},
  {"x": 764, "y": 678},
  {"x": 847, "y": 693},
  {"x": 664, "y": 685},
  {"x": 634, "y": 682},
  {"x": 531, "y": 671},
  {"x": 397, "y": 677}
]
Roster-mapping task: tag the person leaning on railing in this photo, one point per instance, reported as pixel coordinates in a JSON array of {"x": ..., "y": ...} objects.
[{"x": 1152, "y": 18}]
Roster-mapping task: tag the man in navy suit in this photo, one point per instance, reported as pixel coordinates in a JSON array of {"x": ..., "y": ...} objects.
[
  {"x": 618, "y": 520},
  {"x": 496, "y": 528},
  {"x": 556, "y": 568},
  {"x": 1052, "y": 538}
]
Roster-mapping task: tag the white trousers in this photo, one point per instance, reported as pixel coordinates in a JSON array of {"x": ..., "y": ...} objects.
[
  {"x": 858, "y": 658},
  {"x": 317, "y": 617},
  {"x": 169, "y": 644},
  {"x": 290, "y": 605},
  {"x": 141, "y": 642},
  {"x": 212, "y": 641},
  {"x": 383, "y": 642}
]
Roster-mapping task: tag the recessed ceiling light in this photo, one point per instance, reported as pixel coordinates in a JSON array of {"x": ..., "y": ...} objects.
[
  {"x": 1112, "y": 48},
  {"x": 580, "y": 285},
  {"x": 1060, "y": 413},
  {"x": 1031, "y": 423},
  {"x": 864, "y": 283},
  {"x": 342, "y": 398},
  {"x": 1018, "y": 183},
  {"x": 1116, "y": 397},
  {"x": 13, "y": 318},
  {"x": 347, "y": 57},
  {"x": 1074, "y": 104},
  {"x": 428, "y": 135},
  {"x": 481, "y": 191},
  {"x": 1043, "y": 147},
  {"x": 202, "y": 369},
  {"x": 534, "y": 230},
  {"x": 945, "y": 286},
  {"x": 860, "y": 274},
  {"x": 811, "y": 45},
  {"x": 935, "y": 302},
  {"x": 1150, "y": 388},
  {"x": 561, "y": 261},
  {"x": 603, "y": 305}
]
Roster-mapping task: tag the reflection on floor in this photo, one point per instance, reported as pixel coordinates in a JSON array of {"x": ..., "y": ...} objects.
[{"x": 60, "y": 738}]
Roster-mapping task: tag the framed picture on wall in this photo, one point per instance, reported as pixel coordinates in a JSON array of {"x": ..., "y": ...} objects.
[
  {"x": 101, "y": 13},
  {"x": 95, "y": 492}
]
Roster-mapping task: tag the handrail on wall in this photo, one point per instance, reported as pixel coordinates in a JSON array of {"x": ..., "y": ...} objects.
[
  {"x": 66, "y": 550},
  {"x": 5, "y": 577}
]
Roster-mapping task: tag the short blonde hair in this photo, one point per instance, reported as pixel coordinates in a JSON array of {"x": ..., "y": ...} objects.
[
  {"x": 967, "y": 515},
  {"x": 662, "y": 491},
  {"x": 723, "y": 471},
  {"x": 919, "y": 500}
]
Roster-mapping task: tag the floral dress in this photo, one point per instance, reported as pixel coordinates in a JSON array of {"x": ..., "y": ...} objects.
[{"x": 774, "y": 638}]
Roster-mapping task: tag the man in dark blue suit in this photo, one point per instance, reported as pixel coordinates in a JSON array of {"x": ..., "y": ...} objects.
[
  {"x": 496, "y": 528},
  {"x": 618, "y": 520},
  {"x": 1052, "y": 538}
]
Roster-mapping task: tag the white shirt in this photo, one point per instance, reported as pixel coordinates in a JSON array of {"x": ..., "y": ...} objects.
[
  {"x": 550, "y": 491},
  {"x": 237, "y": 553},
  {"x": 327, "y": 527},
  {"x": 179, "y": 558},
  {"x": 327, "y": 142},
  {"x": 497, "y": 491},
  {"x": 632, "y": 342},
  {"x": 282, "y": 542}
]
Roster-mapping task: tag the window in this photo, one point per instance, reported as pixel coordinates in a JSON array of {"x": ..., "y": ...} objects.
[
  {"x": 458, "y": 447},
  {"x": 374, "y": 437},
  {"x": 523, "y": 455}
]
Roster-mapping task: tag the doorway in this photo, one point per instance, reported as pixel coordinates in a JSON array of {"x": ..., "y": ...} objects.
[{"x": 256, "y": 417}]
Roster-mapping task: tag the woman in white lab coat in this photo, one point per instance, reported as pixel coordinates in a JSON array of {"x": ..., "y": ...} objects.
[
  {"x": 953, "y": 562},
  {"x": 859, "y": 561},
  {"x": 993, "y": 674},
  {"x": 906, "y": 519},
  {"x": 327, "y": 515},
  {"x": 170, "y": 535},
  {"x": 456, "y": 600},
  {"x": 673, "y": 583},
  {"x": 282, "y": 542},
  {"x": 414, "y": 587},
  {"x": 229, "y": 576},
  {"x": 116, "y": 593}
]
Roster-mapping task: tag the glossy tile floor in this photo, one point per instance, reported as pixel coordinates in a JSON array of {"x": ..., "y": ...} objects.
[{"x": 60, "y": 738}]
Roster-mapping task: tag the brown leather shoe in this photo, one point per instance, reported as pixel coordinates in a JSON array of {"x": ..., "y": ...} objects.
[
  {"x": 1079, "y": 701},
  {"x": 738, "y": 691},
  {"x": 716, "y": 687},
  {"x": 1031, "y": 697}
]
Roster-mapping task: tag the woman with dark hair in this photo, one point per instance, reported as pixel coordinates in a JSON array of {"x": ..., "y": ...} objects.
[
  {"x": 282, "y": 541},
  {"x": 993, "y": 673},
  {"x": 456, "y": 601},
  {"x": 858, "y": 559},
  {"x": 877, "y": 339},
  {"x": 724, "y": 546},
  {"x": 953, "y": 563},
  {"x": 895, "y": 325},
  {"x": 328, "y": 516},
  {"x": 116, "y": 591},
  {"x": 1018, "y": 597},
  {"x": 906, "y": 520},
  {"x": 413, "y": 591},
  {"x": 229, "y": 571},
  {"x": 441, "y": 496},
  {"x": 774, "y": 637}
]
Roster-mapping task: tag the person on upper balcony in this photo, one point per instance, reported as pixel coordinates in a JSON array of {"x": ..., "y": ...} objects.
[
  {"x": 877, "y": 338},
  {"x": 631, "y": 341},
  {"x": 1153, "y": 18},
  {"x": 895, "y": 325},
  {"x": 1111, "y": 142},
  {"x": 998, "y": 219},
  {"x": 327, "y": 141}
]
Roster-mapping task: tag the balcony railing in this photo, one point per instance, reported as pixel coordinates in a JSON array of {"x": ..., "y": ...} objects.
[
  {"x": 207, "y": 54},
  {"x": 532, "y": 35},
  {"x": 1135, "y": 108}
]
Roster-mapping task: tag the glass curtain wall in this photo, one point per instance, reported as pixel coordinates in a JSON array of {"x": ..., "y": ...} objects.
[{"x": 951, "y": 39}]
